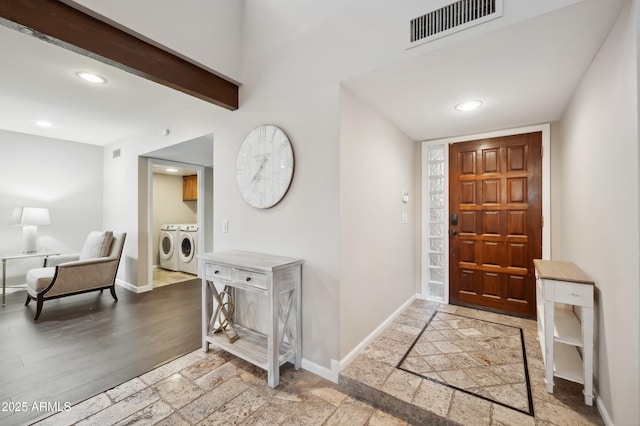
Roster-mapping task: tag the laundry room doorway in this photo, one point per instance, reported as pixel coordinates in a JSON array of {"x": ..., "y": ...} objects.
[
  {"x": 179, "y": 211},
  {"x": 174, "y": 222}
]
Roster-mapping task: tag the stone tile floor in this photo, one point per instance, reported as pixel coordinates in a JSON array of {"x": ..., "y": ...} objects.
[
  {"x": 482, "y": 358},
  {"x": 373, "y": 375},
  {"x": 216, "y": 388}
]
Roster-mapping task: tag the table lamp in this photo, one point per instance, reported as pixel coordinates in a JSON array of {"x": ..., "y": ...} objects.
[{"x": 30, "y": 218}]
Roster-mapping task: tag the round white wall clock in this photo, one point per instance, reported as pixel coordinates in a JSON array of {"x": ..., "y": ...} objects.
[{"x": 264, "y": 167}]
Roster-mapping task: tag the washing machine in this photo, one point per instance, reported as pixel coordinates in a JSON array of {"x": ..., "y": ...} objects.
[
  {"x": 168, "y": 247},
  {"x": 188, "y": 243}
]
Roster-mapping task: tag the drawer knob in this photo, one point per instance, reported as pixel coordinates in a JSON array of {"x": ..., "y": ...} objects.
[
  {"x": 575, "y": 295},
  {"x": 216, "y": 272},
  {"x": 248, "y": 279}
]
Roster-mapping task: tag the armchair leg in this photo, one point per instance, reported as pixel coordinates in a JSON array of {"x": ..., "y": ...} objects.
[
  {"x": 38, "y": 308},
  {"x": 113, "y": 292},
  {"x": 28, "y": 300}
]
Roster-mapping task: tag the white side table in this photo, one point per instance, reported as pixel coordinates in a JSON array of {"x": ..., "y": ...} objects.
[
  {"x": 566, "y": 339},
  {"x": 275, "y": 279},
  {"x": 10, "y": 256}
]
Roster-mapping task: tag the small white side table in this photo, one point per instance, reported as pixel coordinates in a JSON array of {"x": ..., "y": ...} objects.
[
  {"x": 10, "y": 256},
  {"x": 563, "y": 334},
  {"x": 278, "y": 280}
]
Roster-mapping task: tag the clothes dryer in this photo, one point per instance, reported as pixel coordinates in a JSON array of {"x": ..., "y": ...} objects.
[
  {"x": 168, "y": 247},
  {"x": 188, "y": 247}
]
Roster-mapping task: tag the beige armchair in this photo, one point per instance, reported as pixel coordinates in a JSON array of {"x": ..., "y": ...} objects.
[{"x": 94, "y": 268}]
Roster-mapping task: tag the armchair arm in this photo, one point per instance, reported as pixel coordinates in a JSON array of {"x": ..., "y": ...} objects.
[
  {"x": 60, "y": 258},
  {"x": 78, "y": 263}
]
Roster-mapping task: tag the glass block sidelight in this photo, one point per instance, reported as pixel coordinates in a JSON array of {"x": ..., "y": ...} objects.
[
  {"x": 436, "y": 153},
  {"x": 436, "y": 184},
  {"x": 436, "y": 229},
  {"x": 436, "y": 169},
  {"x": 436, "y": 245},
  {"x": 436, "y": 200},
  {"x": 436, "y": 290},
  {"x": 436, "y": 260},
  {"x": 436, "y": 216},
  {"x": 437, "y": 275}
]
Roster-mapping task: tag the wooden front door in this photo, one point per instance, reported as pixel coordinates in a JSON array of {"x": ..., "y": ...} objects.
[{"x": 495, "y": 223}]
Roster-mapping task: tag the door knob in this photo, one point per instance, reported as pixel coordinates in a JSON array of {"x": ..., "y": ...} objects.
[{"x": 454, "y": 232}]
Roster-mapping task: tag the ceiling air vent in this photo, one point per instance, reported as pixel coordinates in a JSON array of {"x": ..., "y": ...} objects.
[{"x": 453, "y": 18}]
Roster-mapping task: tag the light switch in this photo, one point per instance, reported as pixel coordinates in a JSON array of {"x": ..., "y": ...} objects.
[
  {"x": 405, "y": 217},
  {"x": 225, "y": 225}
]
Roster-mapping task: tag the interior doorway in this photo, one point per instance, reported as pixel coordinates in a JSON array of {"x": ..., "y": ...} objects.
[
  {"x": 193, "y": 156},
  {"x": 438, "y": 274},
  {"x": 174, "y": 222}
]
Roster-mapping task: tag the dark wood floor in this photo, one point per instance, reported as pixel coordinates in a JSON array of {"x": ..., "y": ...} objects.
[{"x": 83, "y": 345}]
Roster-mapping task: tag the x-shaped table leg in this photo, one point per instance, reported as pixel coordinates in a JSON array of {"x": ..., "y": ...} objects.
[{"x": 223, "y": 314}]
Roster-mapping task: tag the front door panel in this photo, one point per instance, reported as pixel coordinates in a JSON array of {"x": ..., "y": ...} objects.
[{"x": 495, "y": 225}]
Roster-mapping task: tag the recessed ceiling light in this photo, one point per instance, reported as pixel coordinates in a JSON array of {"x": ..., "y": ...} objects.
[
  {"x": 468, "y": 105},
  {"x": 171, "y": 170},
  {"x": 91, "y": 77},
  {"x": 43, "y": 123}
]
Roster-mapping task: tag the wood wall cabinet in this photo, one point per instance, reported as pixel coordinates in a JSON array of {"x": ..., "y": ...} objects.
[
  {"x": 565, "y": 331},
  {"x": 273, "y": 279},
  {"x": 190, "y": 188}
]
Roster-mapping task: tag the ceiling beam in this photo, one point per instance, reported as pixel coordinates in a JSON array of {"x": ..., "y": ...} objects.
[{"x": 58, "y": 23}]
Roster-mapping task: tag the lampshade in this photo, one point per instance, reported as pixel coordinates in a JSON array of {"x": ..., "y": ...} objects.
[{"x": 31, "y": 216}]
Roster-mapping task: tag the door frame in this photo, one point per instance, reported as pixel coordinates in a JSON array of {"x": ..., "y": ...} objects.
[{"x": 425, "y": 229}]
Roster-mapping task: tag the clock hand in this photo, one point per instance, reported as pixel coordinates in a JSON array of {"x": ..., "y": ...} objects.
[{"x": 262, "y": 163}]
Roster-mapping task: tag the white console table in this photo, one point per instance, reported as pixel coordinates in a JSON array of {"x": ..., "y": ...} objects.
[
  {"x": 561, "y": 332},
  {"x": 276, "y": 278}
]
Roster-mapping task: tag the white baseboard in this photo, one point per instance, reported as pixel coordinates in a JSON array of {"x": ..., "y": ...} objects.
[
  {"x": 332, "y": 374},
  {"x": 319, "y": 370},
  {"x": 603, "y": 410},
  {"x": 338, "y": 366},
  {"x": 134, "y": 288}
]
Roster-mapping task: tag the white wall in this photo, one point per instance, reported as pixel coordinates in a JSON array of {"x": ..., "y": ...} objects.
[
  {"x": 597, "y": 212},
  {"x": 168, "y": 207},
  {"x": 65, "y": 177},
  {"x": 305, "y": 223},
  {"x": 377, "y": 272}
]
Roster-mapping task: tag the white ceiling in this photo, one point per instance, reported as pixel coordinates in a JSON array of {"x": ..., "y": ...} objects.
[
  {"x": 39, "y": 83},
  {"x": 524, "y": 74}
]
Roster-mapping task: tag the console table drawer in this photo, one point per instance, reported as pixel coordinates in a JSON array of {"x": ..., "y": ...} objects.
[
  {"x": 572, "y": 294},
  {"x": 213, "y": 271},
  {"x": 252, "y": 279}
]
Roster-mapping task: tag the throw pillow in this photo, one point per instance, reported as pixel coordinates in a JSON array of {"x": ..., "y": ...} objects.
[
  {"x": 105, "y": 250},
  {"x": 92, "y": 245}
]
